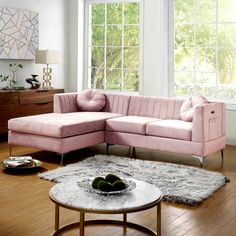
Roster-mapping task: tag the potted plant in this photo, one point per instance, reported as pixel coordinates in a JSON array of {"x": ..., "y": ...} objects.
[{"x": 12, "y": 82}]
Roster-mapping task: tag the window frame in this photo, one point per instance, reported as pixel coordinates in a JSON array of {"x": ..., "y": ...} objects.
[
  {"x": 230, "y": 102},
  {"x": 87, "y": 82}
]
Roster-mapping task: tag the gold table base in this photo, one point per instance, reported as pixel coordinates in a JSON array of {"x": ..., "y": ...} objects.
[{"x": 120, "y": 223}]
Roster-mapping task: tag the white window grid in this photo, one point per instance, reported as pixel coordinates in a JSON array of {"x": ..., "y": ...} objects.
[
  {"x": 195, "y": 23},
  {"x": 88, "y": 46}
]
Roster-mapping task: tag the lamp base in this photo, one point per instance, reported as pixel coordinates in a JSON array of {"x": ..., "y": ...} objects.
[{"x": 47, "y": 78}]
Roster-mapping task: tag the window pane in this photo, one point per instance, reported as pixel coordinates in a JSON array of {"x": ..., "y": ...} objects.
[
  {"x": 114, "y": 13},
  {"x": 184, "y": 35},
  {"x": 114, "y": 36},
  {"x": 131, "y": 57},
  {"x": 98, "y": 14},
  {"x": 184, "y": 83},
  {"x": 184, "y": 11},
  {"x": 206, "y": 60},
  {"x": 206, "y": 35},
  {"x": 113, "y": 77},
  {"x": 97, "y": 59},
  {"x": 227, "y": 63},
  {"x": 131, "y": 13},
  {"x": 227, "y": 78},
  {"x": 227, "y": 35},
  {"x": 205, "y": 80},
  {"x": 97, "y": 77},
  {"x": 114, "y": 57},
  {"x": 98, "y": 35},
  {"x": 131, "y": 80},
  {"x": 184, "y": 59},
  {"x": 205, "y": 11},
  {"x": 227, "y": 9},
  {"x": 131, "y": 36}
]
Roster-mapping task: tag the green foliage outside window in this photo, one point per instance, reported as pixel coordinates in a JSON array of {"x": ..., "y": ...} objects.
[
  {"x": 205, "y": 47},
  {"x": 114, "y": 59}
]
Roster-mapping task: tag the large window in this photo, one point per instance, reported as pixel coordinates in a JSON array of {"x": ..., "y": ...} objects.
[
  {"x": 113, "y": 45},
  {"x": 205, "y": 48}
]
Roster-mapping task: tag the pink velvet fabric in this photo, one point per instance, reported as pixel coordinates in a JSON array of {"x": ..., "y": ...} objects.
[
  {"x": 162, "y": 108},
  {"x": 208, "y": 122},
  {"x": 90, "y": 100},
  {"x": 165, "y": 144},
  {"x": 188, "y": 106},
  {"x": 176, "y": 129},
  {"x": 65, "y": 102},
  {"x": 129, "y": 124},
  {"x": 59, "y": 145},
  {"x": 117, "y": 103},
  {"x": 61, "y": 125}
]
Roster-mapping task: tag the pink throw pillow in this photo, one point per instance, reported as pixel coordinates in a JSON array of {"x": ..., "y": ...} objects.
[
  {"x": 90, "y": 100},
  {"x": 188, "y": 106}
]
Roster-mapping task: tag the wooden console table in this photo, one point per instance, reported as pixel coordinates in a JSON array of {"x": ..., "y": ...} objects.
[{"x": 24, "y": 103}]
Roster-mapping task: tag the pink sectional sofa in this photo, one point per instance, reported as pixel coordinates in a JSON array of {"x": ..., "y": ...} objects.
[{"x": 135, "y": 121}]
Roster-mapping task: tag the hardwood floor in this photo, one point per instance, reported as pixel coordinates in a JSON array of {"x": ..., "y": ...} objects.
[{"x": 26, "y": 210}]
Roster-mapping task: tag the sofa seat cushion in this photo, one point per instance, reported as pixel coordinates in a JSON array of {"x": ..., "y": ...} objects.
[
  {"x": 61, "y": 125},
  {"x": 129, "y": 124},
  {"x": 176, "y": 129}
]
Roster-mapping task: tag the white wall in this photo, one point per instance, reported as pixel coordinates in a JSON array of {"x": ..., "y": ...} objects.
[{"x": 53, "y": 34}]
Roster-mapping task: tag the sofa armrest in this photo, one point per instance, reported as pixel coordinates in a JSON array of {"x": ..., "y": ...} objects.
[
  {"x": 65, "y": 102},
  {"x": 208, "y": 122}
]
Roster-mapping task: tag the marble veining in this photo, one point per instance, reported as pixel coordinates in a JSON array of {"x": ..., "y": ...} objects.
[{"x": 70, "y": 194}]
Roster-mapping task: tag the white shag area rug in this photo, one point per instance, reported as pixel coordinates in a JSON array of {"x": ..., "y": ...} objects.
[{"x": 178, "y": 183}]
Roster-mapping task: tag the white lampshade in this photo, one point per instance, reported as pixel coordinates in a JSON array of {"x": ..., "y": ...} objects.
[{"x": 47, "y": 57}]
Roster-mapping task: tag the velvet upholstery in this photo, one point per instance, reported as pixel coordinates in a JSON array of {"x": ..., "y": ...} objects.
[
  {"x": 176, "y": 129},
  {"x": 162, "y": 108},
  {"x": 61, "y": 125},
  {"x": 137, "y": 121},
  {"x": 90, "y": 100},
  {"x": 129, "y": 124}
]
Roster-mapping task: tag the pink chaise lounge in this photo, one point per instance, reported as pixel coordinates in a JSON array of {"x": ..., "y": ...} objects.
[{"x": 193, "y": 126}]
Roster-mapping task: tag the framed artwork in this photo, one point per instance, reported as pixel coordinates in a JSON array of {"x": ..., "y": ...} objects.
[{"x": 19, "y": 33}]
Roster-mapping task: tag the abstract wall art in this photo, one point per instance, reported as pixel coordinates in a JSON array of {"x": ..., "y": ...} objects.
[{"x": 19, "y": 33}]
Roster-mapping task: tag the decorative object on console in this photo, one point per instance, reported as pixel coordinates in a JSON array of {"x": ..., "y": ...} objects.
[
  {"x": 47, "y": 57},
  {"x": 33, "y": 82},
  {"x": 178, "y": 183},
  {"x": 19, "y": 33},
  {"x": 13, "y": 67}
]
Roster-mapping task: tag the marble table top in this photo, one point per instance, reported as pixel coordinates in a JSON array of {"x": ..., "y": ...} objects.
[{"x": 72, "y": 196}]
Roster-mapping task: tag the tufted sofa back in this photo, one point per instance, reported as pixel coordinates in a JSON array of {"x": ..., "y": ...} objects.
[
  {"x": 163, "y": 108},
  {"x": 116, "y": 103}
]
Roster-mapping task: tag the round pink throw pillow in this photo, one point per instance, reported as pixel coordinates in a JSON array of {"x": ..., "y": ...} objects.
[
  {"x": 188, "y": 106},
  {"x": 90, "y": 100}
]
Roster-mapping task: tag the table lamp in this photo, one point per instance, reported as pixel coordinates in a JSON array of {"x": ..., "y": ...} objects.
[{"x": 47, "y": 57}]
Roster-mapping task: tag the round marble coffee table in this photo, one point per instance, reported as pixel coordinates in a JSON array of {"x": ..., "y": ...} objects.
[{"x": 71, "y": 196}]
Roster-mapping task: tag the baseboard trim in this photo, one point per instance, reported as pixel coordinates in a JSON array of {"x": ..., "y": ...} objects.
[{"x": 231, "y": 141}]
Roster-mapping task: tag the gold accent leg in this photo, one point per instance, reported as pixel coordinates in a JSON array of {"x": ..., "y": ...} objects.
[
  {"x": 159, "y": 218},
  {"x": 10, "y": 150},
  {"x": 125, "y": 221},
  {"x": 56, "y": 217},
  {"x": 81, "y": 224}
]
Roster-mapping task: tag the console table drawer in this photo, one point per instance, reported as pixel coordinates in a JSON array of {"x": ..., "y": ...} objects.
[
  {"x": 8, "y": 99},
  {"x": 35, "y": 109},
  {"x": 39, "y": 96}
]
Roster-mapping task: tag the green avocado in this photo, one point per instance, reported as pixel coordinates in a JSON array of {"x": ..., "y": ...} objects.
[
  {"x": 119, "y": 185},
  {"x": 105, "y": 186},
  {"x": 96, "y": 181},
  {"x": 111, "y": 178}
]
